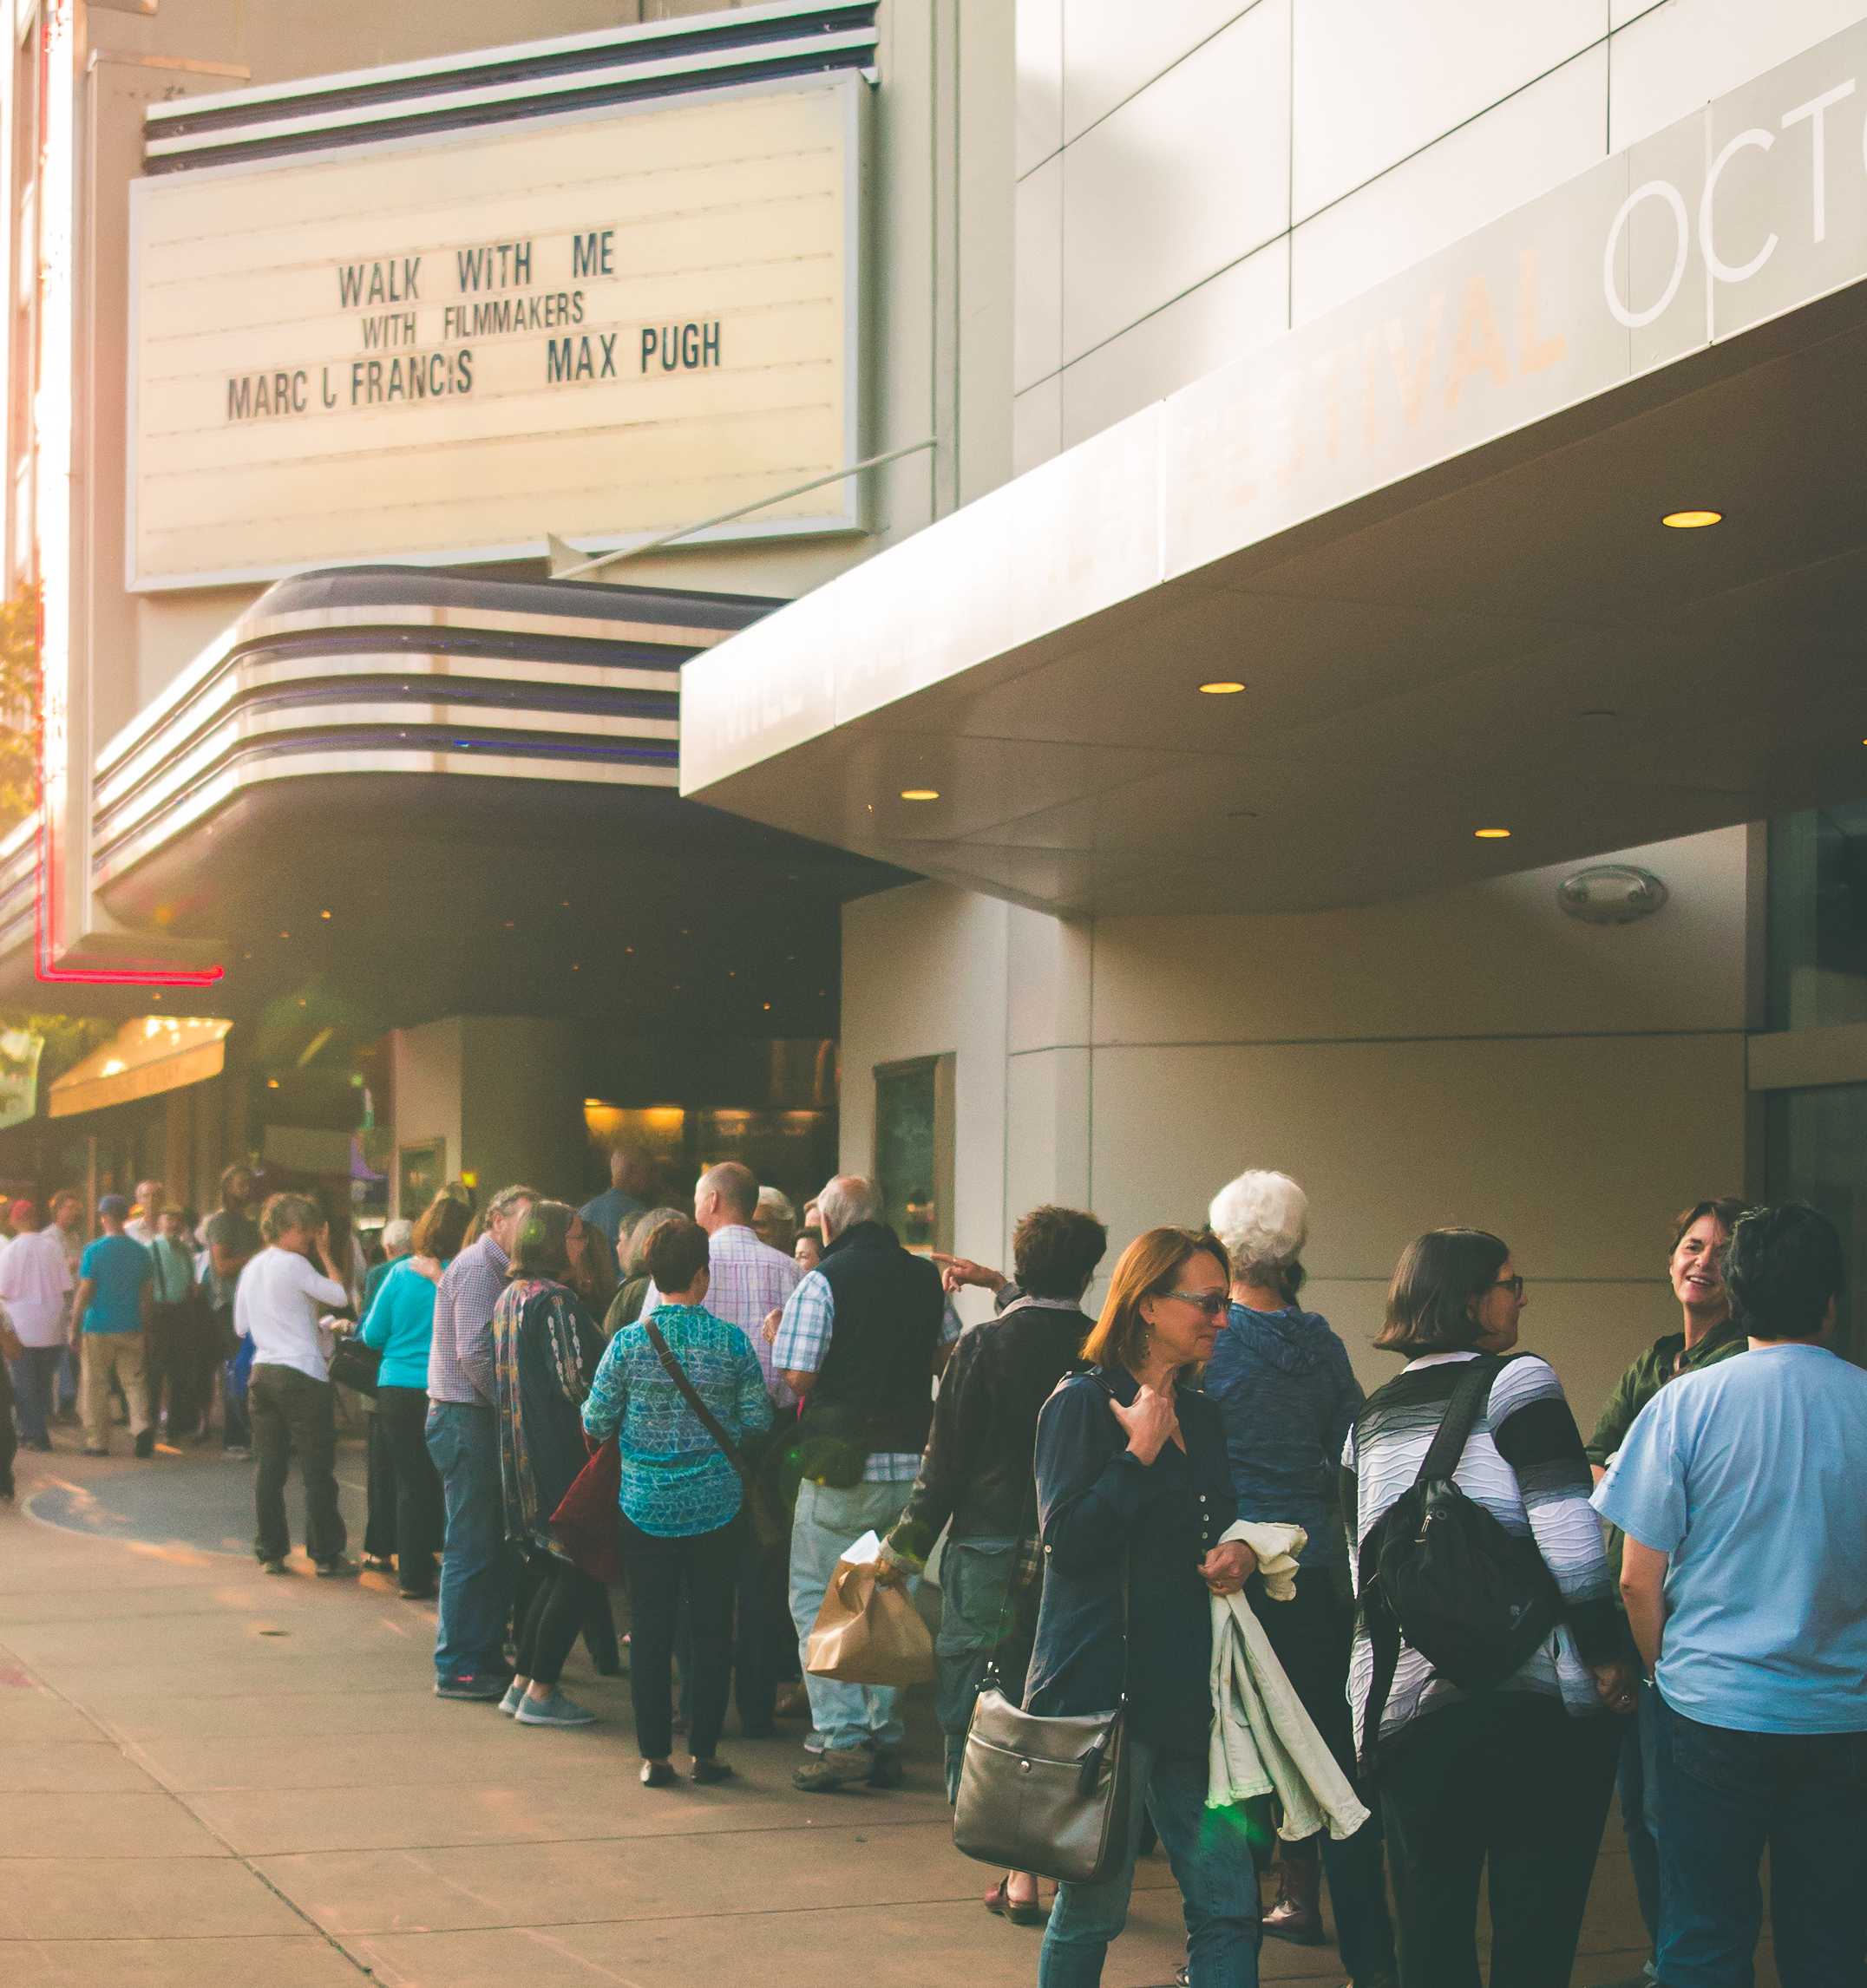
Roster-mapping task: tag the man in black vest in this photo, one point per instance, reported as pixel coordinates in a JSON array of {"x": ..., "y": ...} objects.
[{"x": 860, "y": 1340}]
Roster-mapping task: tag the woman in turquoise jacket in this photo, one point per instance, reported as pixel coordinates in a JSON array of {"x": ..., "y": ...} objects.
[{"x": 399, "y": 1324}]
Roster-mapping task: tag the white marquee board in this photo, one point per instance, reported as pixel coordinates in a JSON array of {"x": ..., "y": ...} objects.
[{"x": 606, "y": 326}]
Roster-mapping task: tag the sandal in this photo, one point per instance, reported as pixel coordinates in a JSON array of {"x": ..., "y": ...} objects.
[{"x": 999, "y": 1900}]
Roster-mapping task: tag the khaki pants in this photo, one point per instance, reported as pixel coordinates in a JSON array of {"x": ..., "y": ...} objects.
[{"x": 108, "y": 1354}]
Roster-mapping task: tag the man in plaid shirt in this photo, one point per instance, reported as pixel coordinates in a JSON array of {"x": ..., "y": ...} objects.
[{"x": 748, "y": 1280}]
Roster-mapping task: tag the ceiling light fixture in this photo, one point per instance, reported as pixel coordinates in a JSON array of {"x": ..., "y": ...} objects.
[
  {"x": 1490, "y": 835},
  {"x": 1692, "y": 520},
  {"x": 920, "y": 793},
  {"x": 1224, "y": 687}
]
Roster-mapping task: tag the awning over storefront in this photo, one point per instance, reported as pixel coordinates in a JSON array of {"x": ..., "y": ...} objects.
[
  {"x": 150, "y": 1055},
  {"x": 1389, "y": 603}
]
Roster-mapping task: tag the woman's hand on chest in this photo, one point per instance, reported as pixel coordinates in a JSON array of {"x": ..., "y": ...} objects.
[{"x": 1151, "y": 1422}]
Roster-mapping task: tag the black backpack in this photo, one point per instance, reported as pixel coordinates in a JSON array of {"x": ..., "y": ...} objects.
[{"x": 1437, "y": 1568}]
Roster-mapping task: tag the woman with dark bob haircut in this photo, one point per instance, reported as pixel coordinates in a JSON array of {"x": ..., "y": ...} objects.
[
  {"x": 545, "y": 1347},
  {"x": 1135, "y": 1491},
  {"x": 1518, "y": 1776}
]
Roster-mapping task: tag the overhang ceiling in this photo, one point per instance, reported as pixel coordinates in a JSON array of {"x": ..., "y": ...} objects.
[{"x": 1497, "y": 633}]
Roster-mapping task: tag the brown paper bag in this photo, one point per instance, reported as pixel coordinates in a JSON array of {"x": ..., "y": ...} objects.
[{"x": 868, "y": 1634}]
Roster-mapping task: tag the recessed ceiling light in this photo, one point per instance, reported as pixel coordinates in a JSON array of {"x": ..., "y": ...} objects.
[
  {"x": 920, "y": 793},
  {"x": 1224, "y": 687},
  {"x": 1691, "y": 520},
  {"x": 1490, "y": 835}
]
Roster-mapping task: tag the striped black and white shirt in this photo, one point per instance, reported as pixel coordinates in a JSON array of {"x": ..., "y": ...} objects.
[{"x": 1525, "y": 1464}]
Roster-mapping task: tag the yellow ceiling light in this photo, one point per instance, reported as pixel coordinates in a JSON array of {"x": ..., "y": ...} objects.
[
  {"x": 1225, "y": 687},
  {"x": 1490, "y": 835},
  {"x": 1692, "y": 520},
  {"x": 920, "y": 793}
]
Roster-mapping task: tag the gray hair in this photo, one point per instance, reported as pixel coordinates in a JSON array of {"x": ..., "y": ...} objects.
[
  {"x": 847, "y": 1200},
  {"x": 397, "y": 1236},
  {"x": 508, "y": 1198},
  {"x": 779, "y": 1203},
  {"x": 1263, "y": 1221},
  {"x": 636, "y": 1240}
]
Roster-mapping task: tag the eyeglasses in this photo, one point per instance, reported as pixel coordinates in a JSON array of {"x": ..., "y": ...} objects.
[
  {"x": 1513, "y": 1284},
  {"x": 1212, "y": 1303}
]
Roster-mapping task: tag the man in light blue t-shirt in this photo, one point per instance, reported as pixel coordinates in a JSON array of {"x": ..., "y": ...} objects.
[
  {"x": 1742, "y": 1492},
  {"x": 110, "y": 1314}
]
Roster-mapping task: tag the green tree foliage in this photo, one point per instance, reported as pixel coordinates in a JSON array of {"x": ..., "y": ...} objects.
[{"x": 19, "y": 706}]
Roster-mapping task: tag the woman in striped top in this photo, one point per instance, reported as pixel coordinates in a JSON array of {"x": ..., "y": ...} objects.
[{"x": 1521, "y": 1774}]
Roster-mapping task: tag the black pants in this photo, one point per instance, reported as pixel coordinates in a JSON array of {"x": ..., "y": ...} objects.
[
  {"x": 174, "y": 1369},
  {"x": 402, "y": 1417},
  {"x": 654, "y": 1568},
  {"x": 379, "y": 1478},
  {"x": 291, "y": 1411},
  {"x": 1509, "y": 1780},
  {"x": 8, "y": 1435},
  {"x": 559, "y": 1595},
  {"x": 1312, "y": 1635}
]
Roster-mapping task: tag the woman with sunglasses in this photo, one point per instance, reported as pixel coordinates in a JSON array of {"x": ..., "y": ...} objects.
[
  {"x": 1518, "y": 1776},
  {"x": 1135, "y": 1494}
]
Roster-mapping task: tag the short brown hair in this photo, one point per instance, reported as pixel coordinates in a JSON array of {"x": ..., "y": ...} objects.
[
  {"x": 1724, "y": 1208},
  {"x": 442, "y": 1227},
  {"x": 1429, "y": 1303},
  {"x": 283, "y": 1212},
  {"x": 1054, "y": 1250},
  {"x": 1148, "y": 1268},
  {"x": 678, "y": 1252}
]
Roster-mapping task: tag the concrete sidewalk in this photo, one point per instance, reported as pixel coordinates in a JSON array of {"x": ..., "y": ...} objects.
[{"x": 209, "y": 1776}]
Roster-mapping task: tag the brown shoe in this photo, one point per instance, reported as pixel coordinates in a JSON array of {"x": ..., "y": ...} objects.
[{"x": 1297, "y": 1915}]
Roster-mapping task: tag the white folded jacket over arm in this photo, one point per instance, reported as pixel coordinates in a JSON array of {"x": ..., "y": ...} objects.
[{"x": 1263, "y": 1742}]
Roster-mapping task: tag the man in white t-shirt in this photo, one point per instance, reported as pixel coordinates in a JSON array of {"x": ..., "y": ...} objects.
[
  {"x": 279, "y": 1304},
  {"x": 36, "y": 1283}
]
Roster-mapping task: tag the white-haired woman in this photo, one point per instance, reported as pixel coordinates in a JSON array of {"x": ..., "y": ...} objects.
[{"x": 1283, "y": 1382}]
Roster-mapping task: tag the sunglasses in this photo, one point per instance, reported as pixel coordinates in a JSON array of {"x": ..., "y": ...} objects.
[{"x": 1212, "y": 1303}]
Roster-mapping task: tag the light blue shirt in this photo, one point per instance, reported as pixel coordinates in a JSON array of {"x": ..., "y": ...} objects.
[
  {"x": 400, "y": 1324},
  {"x": 1749, "y": 1476}
]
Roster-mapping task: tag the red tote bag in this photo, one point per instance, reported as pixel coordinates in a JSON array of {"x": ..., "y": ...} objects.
[{"x": 588, "y": 1521}]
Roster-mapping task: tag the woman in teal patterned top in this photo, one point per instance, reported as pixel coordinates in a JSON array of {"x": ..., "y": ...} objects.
[{"x": 681, "y": 1496}]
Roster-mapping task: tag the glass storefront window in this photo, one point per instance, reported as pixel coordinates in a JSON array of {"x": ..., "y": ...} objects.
[
  {"x": 1818, "y": 944},
  {"x": 1816, "y": 1151},
  {"x": 913, "y": 1151}
]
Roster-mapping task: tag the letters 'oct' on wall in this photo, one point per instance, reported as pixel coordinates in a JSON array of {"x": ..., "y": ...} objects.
[{"x": 605, "y": 326}]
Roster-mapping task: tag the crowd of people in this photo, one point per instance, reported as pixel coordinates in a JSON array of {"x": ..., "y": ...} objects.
[{"x": 737, "y": 1398}]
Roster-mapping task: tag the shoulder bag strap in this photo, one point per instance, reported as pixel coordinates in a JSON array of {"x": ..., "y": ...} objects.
[
  {"x": 678, "y": 1374},
  {"x": 1462, "y": 1413},
  {"x": 1441, "y": 1460}
]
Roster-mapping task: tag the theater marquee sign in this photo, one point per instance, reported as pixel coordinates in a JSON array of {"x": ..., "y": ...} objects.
[{"x": 603, "y": 326}]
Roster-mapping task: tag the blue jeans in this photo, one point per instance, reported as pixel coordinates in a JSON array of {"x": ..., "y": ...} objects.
[
  {"x": 826, "y": 1522},
  {"x": 1211, "y": 1864},
  {"x": 36, "y": 1390},
  {"x": 1723, "y": 1796},
  {"x": 1637, "y": 1785},
  {"x": 478, "y": 1568}
]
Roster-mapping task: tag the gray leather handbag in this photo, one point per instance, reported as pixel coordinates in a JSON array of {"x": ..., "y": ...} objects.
[{"x": 1048, "y": 1796}]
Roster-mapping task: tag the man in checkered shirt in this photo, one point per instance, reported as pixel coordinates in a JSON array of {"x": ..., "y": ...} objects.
[
  {"x": 862, "y": 1339},
  {"x": 749, "y": 1279}
]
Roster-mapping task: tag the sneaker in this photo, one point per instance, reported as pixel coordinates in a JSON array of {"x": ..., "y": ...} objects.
[
  {"x": 841, "y": 1766},
  {"x": 336, "y": 1568},
  {"x": 146, "y": 1444},
  {"x": 42, "y": 1444},
  {"x": 475, "y": 1687},
  {"x": 887, "y": 1770},
  {"x": 273, "y": 1567},
  {"x": 509, "y": 1703},
  {"x": 556, "y": 1710},
  {"x": 238, "y": 1452}
]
